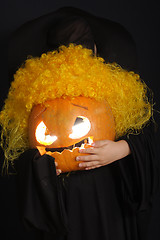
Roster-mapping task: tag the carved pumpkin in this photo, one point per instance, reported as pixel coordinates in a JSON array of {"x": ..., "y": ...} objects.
[{"x": 61, "y": 124}]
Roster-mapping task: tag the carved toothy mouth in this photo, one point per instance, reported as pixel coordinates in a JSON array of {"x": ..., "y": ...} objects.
[{"x": 79, "y": 144}]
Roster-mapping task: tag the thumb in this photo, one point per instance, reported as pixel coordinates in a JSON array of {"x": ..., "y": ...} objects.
[{"x": 100, "y": 143}]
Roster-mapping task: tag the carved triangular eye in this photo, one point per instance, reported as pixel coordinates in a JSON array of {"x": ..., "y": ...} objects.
[
  {"x": 42, "y": 135},
  {"x": 80, "y": 128}
]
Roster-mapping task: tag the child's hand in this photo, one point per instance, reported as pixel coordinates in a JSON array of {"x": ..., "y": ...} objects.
[
  {"x": 102, "y": 153},
  {"x": 58, "y": 171}
]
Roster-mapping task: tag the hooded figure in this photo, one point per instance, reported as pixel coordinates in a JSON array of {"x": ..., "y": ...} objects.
[{"x": 110, "y": 202}]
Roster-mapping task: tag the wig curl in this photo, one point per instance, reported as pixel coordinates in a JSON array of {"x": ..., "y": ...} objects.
[{"x": 70, "y": 72}]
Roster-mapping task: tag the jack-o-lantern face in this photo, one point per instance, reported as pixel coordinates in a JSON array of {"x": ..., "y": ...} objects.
[{"x": 63, "y": 123}]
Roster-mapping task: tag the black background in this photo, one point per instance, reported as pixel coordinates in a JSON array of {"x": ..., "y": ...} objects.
[{"x": 140, "y": 18}]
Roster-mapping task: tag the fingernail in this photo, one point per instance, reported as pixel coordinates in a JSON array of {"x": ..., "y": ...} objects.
[
  {"x": 80, "y": 165},
  {"x": 77, "y": 158}
]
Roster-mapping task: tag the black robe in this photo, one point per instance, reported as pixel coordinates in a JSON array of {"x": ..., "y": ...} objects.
[{"x": 109, "y": 203}]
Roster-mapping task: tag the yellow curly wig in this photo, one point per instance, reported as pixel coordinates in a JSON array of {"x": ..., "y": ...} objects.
[{"x": 71, "y": 71}]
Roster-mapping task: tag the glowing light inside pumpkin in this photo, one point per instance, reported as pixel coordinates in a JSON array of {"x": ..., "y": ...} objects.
[
  {"x": 41, "y": 136},
  {"x": 90, "y": 140},
  {"x": 87, "y": 142},
  {"x": 81, "y": 129}
]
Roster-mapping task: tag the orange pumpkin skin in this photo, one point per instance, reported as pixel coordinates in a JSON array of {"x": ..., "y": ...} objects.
[
  {"x": 59, "y": 116},
  {"x": 66, "y": 160}
]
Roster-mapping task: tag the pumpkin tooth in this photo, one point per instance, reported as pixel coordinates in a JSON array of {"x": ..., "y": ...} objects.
[
  {"x": 73, "y": 146},
  {"x": 79, "y": 144}
]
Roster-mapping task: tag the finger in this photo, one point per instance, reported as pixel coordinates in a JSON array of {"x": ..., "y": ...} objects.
[
  {"x": 87, "y": 158},
  {"x": 58, "y": 171},
  {"x": 100, "y": 143},
  {"x": 89, "y": 164},
  {"x": 89, "y": 168},
  {"x": 88, "y": 150}
]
